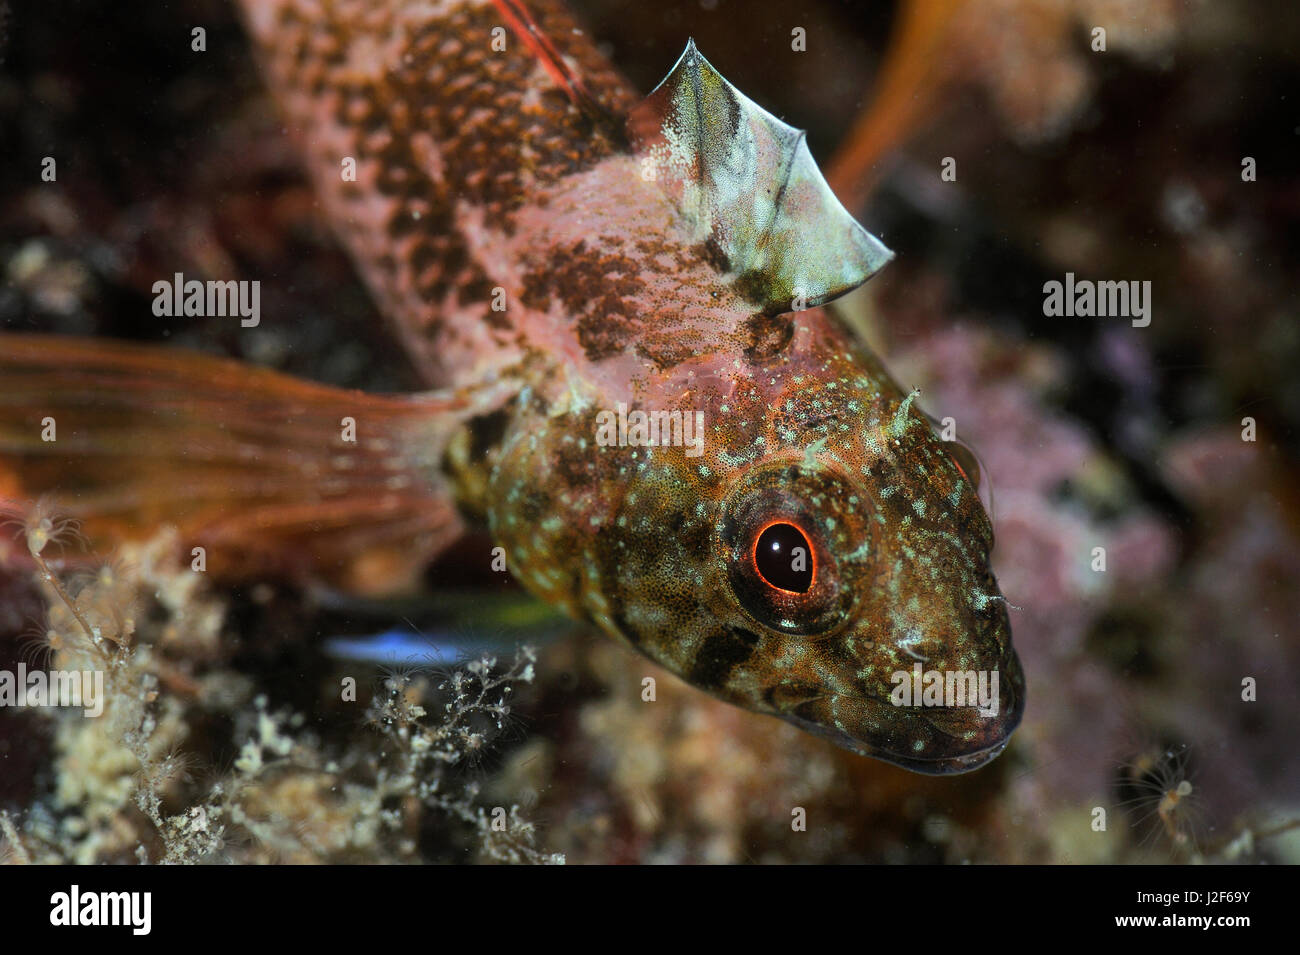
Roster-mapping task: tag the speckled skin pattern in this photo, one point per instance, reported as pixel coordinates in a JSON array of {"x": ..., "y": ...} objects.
[{"x": 477, "y": 172}]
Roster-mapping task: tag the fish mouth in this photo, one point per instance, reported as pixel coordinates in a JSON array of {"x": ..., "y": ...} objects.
[
  {"x": 943, "y": 766},
  {"x": 932, "y": 742},
  {"x": 946, "y": 765},
  {"x": 993, "y": 737}
]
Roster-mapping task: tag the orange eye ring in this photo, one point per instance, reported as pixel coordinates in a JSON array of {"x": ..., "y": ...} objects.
[
  {"x": 783, "y": 591},
  {"x": 784, "y": 558}
]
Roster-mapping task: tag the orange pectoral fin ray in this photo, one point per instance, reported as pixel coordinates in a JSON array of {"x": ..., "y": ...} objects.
[
  {"x": 525, "y": 27},
  {"x": 266, "y": 472}
]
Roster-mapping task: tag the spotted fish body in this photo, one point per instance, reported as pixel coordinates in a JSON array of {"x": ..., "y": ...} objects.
[
  {"x": 523, "y": 173},
  {"x": 480, "y": 170}
]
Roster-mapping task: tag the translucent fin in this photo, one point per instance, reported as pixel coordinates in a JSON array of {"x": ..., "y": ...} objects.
[
  {"x": 264, "y": 471},
  {"x": 746, "y": 184}
]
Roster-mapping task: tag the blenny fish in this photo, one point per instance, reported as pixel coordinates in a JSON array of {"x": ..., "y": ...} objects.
[{"x": 551, "y": 248}]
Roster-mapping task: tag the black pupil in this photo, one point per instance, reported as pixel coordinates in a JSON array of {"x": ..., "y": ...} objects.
[{"x": 784, "y": 558}]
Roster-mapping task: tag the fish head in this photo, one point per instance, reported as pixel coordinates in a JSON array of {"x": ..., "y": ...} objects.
[
  {"x": 825, "y": 559},
  {"x": 811, "y": 541}
]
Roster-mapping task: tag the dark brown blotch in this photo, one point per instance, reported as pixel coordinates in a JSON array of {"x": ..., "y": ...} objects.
[
  {"x": 766, "y": 336},
  {"x": 720, "y": 654}
]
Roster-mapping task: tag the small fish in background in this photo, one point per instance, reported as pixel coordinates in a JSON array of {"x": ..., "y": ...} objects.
[{"x": 549, "y": 251}]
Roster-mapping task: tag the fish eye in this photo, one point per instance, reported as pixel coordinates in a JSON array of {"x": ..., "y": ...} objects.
[
  {"x": 784, "y": 558},
  {"x": 784, "y": 538}
]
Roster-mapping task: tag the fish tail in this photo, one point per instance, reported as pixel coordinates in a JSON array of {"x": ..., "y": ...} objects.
[{"x": 266, "y": 473}]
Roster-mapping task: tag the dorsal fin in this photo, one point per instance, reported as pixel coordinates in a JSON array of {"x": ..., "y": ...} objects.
[{"x": 747, "y": 184}]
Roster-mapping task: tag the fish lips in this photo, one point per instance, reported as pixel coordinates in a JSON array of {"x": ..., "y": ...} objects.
[{"x": 931, "y": 740}]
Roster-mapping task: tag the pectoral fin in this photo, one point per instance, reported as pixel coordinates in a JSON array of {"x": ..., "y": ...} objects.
[
  {"x": 267, "y": 473},
  {"x": 746, "y": 184}
]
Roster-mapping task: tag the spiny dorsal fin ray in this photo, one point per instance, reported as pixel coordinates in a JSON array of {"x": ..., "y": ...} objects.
[{"x": 746, "y": 183}]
